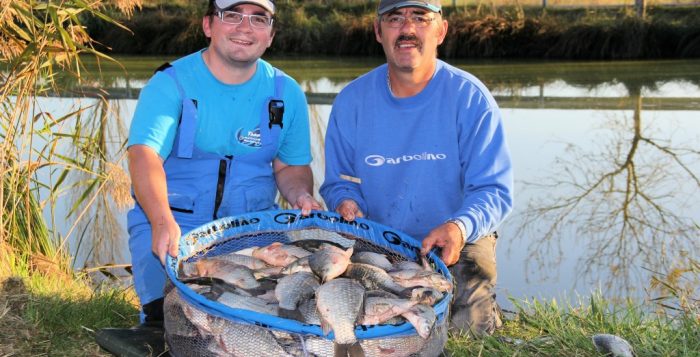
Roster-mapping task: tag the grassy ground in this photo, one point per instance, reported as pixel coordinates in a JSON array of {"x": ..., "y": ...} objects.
[{"x": 57, "y": 316}]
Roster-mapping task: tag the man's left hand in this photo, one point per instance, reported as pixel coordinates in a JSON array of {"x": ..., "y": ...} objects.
[
  {"x": 448, "y": 237},
  {"x": 306, "y": 202}
]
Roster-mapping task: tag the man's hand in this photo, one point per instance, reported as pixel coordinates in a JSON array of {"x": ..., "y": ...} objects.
[
  {"x": 349, "y": 210},
  {"x": 165, "y": 238},
  {"x": 448, "y": 237},
  {"x": 306, "y": 202}
]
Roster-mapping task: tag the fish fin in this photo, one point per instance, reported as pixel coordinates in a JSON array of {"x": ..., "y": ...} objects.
[
  {"x": 326, "y": 327},
  {"x": 291, "y": 314},
  {"x": 406, "y": 293},
  {"x": 425, "y": 263}
]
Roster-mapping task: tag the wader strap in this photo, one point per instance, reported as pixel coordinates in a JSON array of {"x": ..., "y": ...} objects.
[
  {"x": 277, "y": 96},
  {"x": 188, "y": 120}
]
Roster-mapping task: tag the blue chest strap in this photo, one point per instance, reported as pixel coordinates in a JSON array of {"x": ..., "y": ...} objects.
[{"x": 273, "y": 111}]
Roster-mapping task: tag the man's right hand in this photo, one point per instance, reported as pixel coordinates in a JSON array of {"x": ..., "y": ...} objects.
[
  {"x": 349, "y": 210},
  {"x": 165, "y": 238}
]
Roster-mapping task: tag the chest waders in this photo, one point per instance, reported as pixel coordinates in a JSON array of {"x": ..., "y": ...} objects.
[{"x": 204, "y": 186}]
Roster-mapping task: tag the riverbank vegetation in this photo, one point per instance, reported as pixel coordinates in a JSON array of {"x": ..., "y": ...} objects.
[{"x": 482, "y": 30}]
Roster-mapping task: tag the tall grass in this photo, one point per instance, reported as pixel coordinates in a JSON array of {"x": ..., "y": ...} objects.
[{"x": 40, "y": 47}]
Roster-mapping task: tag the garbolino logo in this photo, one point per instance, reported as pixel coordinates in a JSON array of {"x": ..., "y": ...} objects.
[{"x": 379, "y": 160}]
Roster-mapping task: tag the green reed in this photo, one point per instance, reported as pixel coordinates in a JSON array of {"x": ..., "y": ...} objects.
[{"x": 40, "y": 47}]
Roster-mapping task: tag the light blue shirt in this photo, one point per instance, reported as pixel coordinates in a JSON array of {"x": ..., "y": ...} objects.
[{"x": 228, "y": 114}]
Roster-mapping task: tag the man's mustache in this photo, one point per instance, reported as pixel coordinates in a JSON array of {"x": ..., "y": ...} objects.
[{"x": 408, "y": 38}]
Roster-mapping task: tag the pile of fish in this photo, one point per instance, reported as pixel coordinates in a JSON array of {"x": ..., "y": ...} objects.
[{"x": 316, "y": 282}]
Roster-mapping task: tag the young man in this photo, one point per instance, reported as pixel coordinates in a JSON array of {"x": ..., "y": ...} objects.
[
  {"x": 419, "y": 145},
  {"x": 215, "y": 134}
]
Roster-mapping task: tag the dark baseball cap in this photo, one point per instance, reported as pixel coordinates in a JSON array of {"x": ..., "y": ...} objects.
[
  {"x": 265, "y": 4},
  {"x": 391, "y": 5}
]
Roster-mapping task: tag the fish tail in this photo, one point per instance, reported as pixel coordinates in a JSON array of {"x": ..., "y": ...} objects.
[{"x": 348, "y": 350}]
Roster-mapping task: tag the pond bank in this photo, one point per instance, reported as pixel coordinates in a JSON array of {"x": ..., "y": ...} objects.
[
  {"x": 43, "y": 317},
  {"x": 504, "y": 32}
]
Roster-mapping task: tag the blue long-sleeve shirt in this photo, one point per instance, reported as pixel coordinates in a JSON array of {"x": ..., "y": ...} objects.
[{"x": 413, "y": 163}]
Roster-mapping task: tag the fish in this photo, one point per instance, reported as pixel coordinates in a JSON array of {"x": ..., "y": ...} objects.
[
  {"x": 612, "y": 345},
  {"x": 292, "y": 289},
  {"x": 393, "y": 347},
  {"x": 309, "y": 313},
  {"x": 251, "y": 303},
  {"x": 329, "y": 262},
  {"x": 313, "y": 239},
  {"x": 301, "y": 264},
  {"x": 244, "y": 339},
  {"x": 340, "y": 305},
  {"x": 378, "y": 310},
  {"x": 371, "y": 258},
  {"x": 427, "y": 296},
  {"x": 422, "y": 317},
  {"x": 373, "y": 278},
  {"x": 230, "y": 273},
  {"x": 279, "y": 254},
  {"x": 424, "y": 278},
  {"x": 240, "y": 259},
  {"x": 405, "y": 265},
  {"x": 380, "y": 293}
]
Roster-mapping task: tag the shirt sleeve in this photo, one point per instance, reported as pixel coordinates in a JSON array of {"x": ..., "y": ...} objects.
[
  {"x": 340, "y": 153},
  {"x": 294, "y": 146},
  {"x": 157, "y": 115},
  {"x": 488, "y": 173}
]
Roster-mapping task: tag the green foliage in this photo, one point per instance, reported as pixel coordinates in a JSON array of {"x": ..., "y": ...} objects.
[
  {"x": 345, "y": 28},
  {"x": 547, "y": 329}
]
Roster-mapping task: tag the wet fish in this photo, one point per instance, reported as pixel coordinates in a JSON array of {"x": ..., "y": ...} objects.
[
  {"x": 371, "y": 258},
  {"x": 240, "y": 259},
  {"x": 373, "y": 278},
  {"x": 612, "y": 345},
  {"x": 339, "y": 303},
  {"x": 427, "y": 296},
  {"x": 393, "y": 347},
  {"x": 329, "y": 262},
  {"x": 422, "y": 317},
  {"x": 268, "y": 272},
  {"x": 243, "y": 339},
  {"x": 379, "y": 310},
  {"x": 292, "y": 289},
  {"x": 309, "y": 313},
  {"x": 279, "y": 254},
  {"x": 424, "y": 278},
  {"x": 405, "y": 265},
  {"x": 313, "y": 239},
  {"x": 251, "y": 303},
  {"x": 380, "y": 293},
  {"x": 301, "y": 264},
  {"x": 230, "y": 273}
]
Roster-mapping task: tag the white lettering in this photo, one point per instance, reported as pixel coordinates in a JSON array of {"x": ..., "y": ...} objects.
[{"x": 379, "y": 160}]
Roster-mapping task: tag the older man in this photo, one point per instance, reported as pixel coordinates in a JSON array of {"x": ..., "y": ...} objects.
[{"x": 419, "y": 145}]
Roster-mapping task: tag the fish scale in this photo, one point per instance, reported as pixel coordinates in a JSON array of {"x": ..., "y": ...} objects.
[{"x": 340, "y": 304}]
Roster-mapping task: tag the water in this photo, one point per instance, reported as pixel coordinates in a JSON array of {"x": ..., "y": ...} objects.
[{"x": 571, "y": 128}]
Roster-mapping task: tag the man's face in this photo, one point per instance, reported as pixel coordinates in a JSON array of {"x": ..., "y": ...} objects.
[
  {"x": 241, "y": 43},
  {"x": 409, "y": 46}
]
